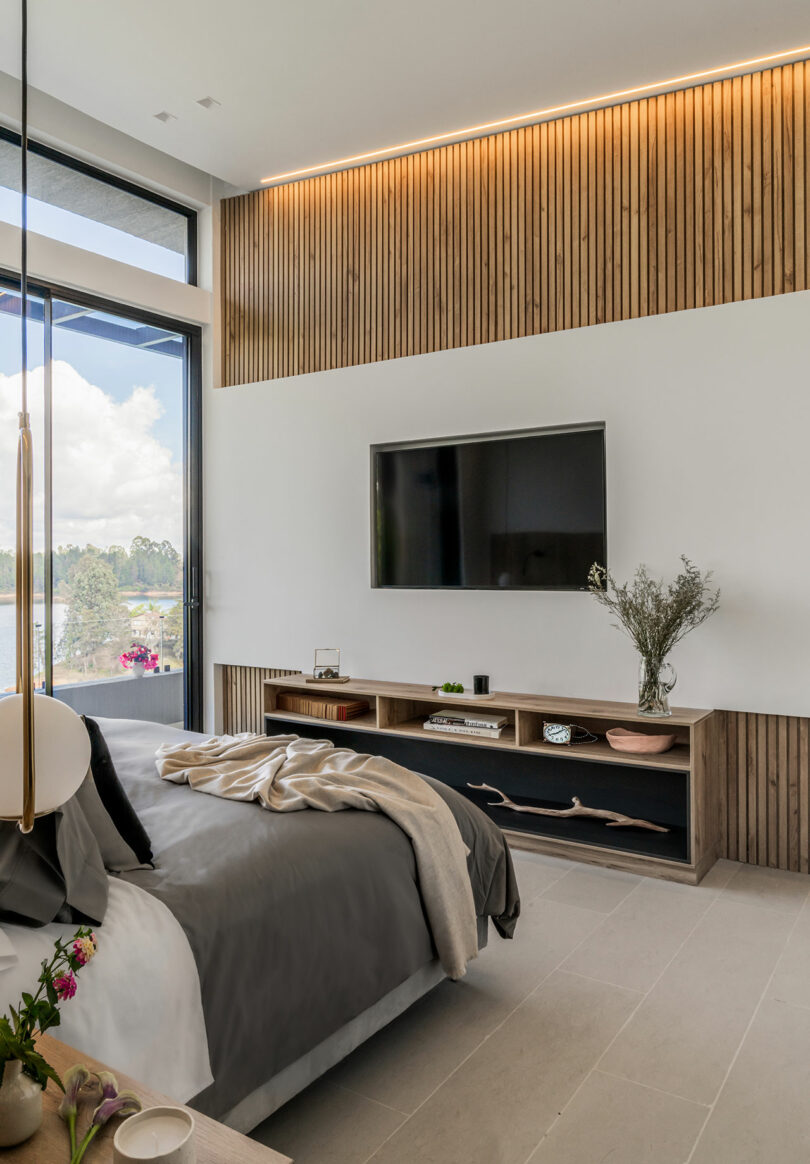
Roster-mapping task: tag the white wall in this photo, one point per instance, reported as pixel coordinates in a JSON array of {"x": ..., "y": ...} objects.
[{"x": 708, "y": 440}]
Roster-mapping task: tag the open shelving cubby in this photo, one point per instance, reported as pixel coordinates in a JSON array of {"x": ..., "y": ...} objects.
[{"x": 677, "y": 789}]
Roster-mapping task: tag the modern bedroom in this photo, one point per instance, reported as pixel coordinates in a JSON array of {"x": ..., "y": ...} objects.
[{"x": 404, "y": 639}]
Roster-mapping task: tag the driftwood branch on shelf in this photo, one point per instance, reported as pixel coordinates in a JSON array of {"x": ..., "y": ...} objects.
[{"x": 614, "y": 819}]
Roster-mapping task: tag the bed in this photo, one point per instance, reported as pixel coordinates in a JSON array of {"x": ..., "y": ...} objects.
[{"x": 307, "y": 929}]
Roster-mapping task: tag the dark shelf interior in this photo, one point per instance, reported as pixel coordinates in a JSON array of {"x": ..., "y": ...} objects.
[{"x": 550, "y": 781}]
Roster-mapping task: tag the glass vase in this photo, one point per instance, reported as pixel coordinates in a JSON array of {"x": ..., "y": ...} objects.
[{"x": 655, "y": 681}]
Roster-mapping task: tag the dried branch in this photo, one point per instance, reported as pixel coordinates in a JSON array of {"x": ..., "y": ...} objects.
[
  {"x": 656, "y": 616},
  {"x": 614, "y": 819}
]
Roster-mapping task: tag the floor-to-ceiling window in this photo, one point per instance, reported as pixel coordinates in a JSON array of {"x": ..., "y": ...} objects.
[{"x": 115, "y": 413}]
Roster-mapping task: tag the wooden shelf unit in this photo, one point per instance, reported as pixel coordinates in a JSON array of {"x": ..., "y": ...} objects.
[{"x": 682, "y": 784}]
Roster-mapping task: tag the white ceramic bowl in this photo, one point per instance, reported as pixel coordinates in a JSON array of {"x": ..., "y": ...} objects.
[{"x": 164, "y": 1135}]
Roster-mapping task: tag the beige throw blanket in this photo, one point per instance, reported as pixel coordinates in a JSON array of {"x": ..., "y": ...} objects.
[{"x": 287, "y": 773}]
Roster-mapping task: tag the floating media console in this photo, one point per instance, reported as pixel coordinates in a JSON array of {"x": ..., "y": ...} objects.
[{"x": 677, "y": 790}]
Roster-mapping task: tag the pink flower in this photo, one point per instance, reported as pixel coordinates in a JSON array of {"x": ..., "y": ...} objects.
[
  {"x": 65, "y": 986},
  {"x": 84, "y": 949}
]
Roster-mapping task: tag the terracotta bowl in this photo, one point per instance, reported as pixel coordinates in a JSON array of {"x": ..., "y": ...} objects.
[{"x": 639, "y": 743}]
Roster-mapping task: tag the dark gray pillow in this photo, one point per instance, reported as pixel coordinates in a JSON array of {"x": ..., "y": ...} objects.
[
  {"x": 55, "y": 872},
  {"x": 117, "y": 854}
]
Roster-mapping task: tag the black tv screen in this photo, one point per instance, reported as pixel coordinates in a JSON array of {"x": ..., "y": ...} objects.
[{"x": 518, "y": 511}]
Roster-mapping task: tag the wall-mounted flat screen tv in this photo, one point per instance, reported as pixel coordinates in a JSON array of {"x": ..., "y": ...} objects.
[{"x": 512, "y": 511}]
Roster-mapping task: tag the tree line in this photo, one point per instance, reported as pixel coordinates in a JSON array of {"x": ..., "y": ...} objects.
[{"x": 146, "y": 565}]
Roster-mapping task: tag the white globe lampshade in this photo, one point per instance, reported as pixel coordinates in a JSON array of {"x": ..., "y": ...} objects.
[{"x": 61, "y": 749}]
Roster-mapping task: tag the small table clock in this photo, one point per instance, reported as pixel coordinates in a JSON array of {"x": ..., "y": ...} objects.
[{"x": 566, "y": 733}]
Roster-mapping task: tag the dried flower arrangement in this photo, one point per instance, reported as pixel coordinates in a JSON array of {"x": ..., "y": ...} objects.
[{"x": 656, "y": 616}]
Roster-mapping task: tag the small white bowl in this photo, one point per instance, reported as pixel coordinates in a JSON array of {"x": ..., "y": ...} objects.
[{"x": 163, "y": 1135}]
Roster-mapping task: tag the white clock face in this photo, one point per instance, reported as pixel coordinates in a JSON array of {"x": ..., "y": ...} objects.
[{"x": 557, "y": 733}]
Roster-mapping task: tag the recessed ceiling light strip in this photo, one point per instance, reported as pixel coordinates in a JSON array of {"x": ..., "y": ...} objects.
[{"x": 542, "y": 114}]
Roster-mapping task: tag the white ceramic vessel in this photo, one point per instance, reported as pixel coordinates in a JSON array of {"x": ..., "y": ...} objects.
[
  {"x": 163, "y": 1135},
  {"x": 20, "y": 1105}
]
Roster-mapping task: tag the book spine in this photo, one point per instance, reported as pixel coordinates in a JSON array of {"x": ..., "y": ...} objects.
[
  {"x": 459, "y": 730},
  {"x": 477, "y": 723}
]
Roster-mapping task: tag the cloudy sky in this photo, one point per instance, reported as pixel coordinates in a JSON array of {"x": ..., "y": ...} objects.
[{"x": 113, "y": 476}]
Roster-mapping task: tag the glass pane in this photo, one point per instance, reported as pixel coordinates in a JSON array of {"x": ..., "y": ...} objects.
[
  {"x": 118, "y": 390},
  {"x": 76, "y": 208},
  {"x": 10, "y": 384}
]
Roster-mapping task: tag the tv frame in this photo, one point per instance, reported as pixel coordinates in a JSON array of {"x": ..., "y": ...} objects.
[{"x": 478, "y": 438}]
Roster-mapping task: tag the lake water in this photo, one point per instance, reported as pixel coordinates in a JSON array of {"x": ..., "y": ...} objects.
[{"x": 8, "y": 637}]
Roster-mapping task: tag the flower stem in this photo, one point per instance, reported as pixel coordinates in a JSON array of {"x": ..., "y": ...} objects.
[{"x": 85, "y": 1144}]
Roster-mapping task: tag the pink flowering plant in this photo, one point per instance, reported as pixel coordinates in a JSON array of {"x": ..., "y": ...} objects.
[
  {"x": 138, "y": 653},
  {"x": 35, "y": 1013}
]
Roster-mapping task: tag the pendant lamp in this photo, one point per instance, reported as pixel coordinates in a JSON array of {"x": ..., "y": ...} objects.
[{"x": 44, "y": 745}]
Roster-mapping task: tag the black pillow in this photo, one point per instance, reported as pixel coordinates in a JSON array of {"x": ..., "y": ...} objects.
[{"x": 113, "y": 797}]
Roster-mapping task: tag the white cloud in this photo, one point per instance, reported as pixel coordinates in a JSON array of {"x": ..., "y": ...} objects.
[{"x": 112, "y": 478}]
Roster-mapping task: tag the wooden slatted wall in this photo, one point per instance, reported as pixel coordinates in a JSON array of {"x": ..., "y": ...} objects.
[
  {"x": 764, "y": 763},
  {"x": 242, "y": 703},
  {"x": 765, "y": 771},
  {"x": 684, "y": 200}
]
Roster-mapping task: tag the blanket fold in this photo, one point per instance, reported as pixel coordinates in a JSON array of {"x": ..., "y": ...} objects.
[{"x": 288, "y": 773}]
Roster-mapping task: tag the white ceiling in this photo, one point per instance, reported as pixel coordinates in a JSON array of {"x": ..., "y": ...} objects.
[{"x": 305, "y": 81}]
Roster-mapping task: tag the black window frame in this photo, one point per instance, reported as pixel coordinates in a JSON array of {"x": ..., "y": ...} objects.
[
  {"x": 194, "y": 665},
  {"x": 143, "y": 192}
]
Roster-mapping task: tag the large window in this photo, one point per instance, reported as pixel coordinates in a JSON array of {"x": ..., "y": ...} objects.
[
  {"x": 78, "y": 204},
  {"x": 115, "y": 414}
]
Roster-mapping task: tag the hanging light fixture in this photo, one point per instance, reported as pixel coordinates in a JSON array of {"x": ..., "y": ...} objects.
[{"x": 44, "y": 746}]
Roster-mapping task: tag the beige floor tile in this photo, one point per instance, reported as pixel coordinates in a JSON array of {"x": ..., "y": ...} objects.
[
  {"x": 327, "y": 1125},
  {"x": 612, "y": 1119},
  {"x": 771, "y": 888},
  {"x": 720, "y": 874},
  {"x": 633, "y": 945},
  {"x": 535, "y": 873},
  {"x": 500, "y": 1102},
  {"x": 408, "y": 1060},
  {"x": 763, "y": 1114},
  {"x": 684, "y": 1035},
  {"x": 791, "y": 980},
  {"x": 591, "y": 888}
]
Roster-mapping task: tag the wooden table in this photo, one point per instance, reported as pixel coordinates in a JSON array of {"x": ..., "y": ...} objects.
[{"x": 215, "y": 1143}]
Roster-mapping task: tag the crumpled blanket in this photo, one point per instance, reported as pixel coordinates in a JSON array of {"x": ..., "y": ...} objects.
[{"x": 288, "y": 773}]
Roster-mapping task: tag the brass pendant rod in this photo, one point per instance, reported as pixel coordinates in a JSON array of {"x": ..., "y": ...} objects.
[{"x": 25, "y": 498}]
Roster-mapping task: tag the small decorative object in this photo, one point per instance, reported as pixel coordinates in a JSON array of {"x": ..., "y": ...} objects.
[
  {"x": 327, "y": 666},
  {"x": 567, "y": 733},
  {"x": 450, "y": 688},
  {"x": 24, "y": 1073},
  {"x": 639, "y": 743},
  {"x": 102, "y": 1088},
  {"x": 138, "y": 659},
  {"x": 164, "y": 1135},
  {"x": 481, "y": 684},
  {"x": 614, "y": 819},
  {"x": 656, "y": 617}
]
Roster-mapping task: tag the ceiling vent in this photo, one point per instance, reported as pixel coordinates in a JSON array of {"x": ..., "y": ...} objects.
[
  {"x": 165, "y": 116},
  {"x": 209, "y": 103}
]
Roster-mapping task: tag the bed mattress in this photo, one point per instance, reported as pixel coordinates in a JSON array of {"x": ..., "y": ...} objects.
[{"x": 298, "y": 922}]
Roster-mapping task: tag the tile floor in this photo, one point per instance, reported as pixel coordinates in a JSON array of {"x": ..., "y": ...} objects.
[{"x": 631, "y": 1021}]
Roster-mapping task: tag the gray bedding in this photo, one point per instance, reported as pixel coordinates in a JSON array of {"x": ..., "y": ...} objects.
[{"x": 298, "y": 922}]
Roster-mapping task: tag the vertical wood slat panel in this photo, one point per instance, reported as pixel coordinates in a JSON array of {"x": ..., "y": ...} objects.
[
  {"x": 242, "y": 697},
  {"x": 765, "y": 774},
  {"x": 687, "y": 199}
]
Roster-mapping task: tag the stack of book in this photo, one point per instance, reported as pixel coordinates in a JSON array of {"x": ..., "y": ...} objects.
[
  {"x": 466, "y": 723},
  {"x": 321, "y": 706}
]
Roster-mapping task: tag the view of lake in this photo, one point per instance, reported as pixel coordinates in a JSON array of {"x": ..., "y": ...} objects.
[{"x": 8, "y": 648}]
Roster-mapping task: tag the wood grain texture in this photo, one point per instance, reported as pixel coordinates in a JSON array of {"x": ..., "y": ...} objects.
[
  {"x": 763, "y": 761},
  {"x": 214, "y": 1142},
  {"x": 765, "y": 774},
  {"x": 242, "y": 697},
  {"x": 682, "y": 200}
]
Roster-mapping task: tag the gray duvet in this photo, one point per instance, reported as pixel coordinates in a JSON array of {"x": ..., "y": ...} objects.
[{"x": 298, "y": 922}]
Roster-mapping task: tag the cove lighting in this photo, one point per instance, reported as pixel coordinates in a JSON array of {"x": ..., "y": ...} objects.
[{"x": 541, "y": 114}]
